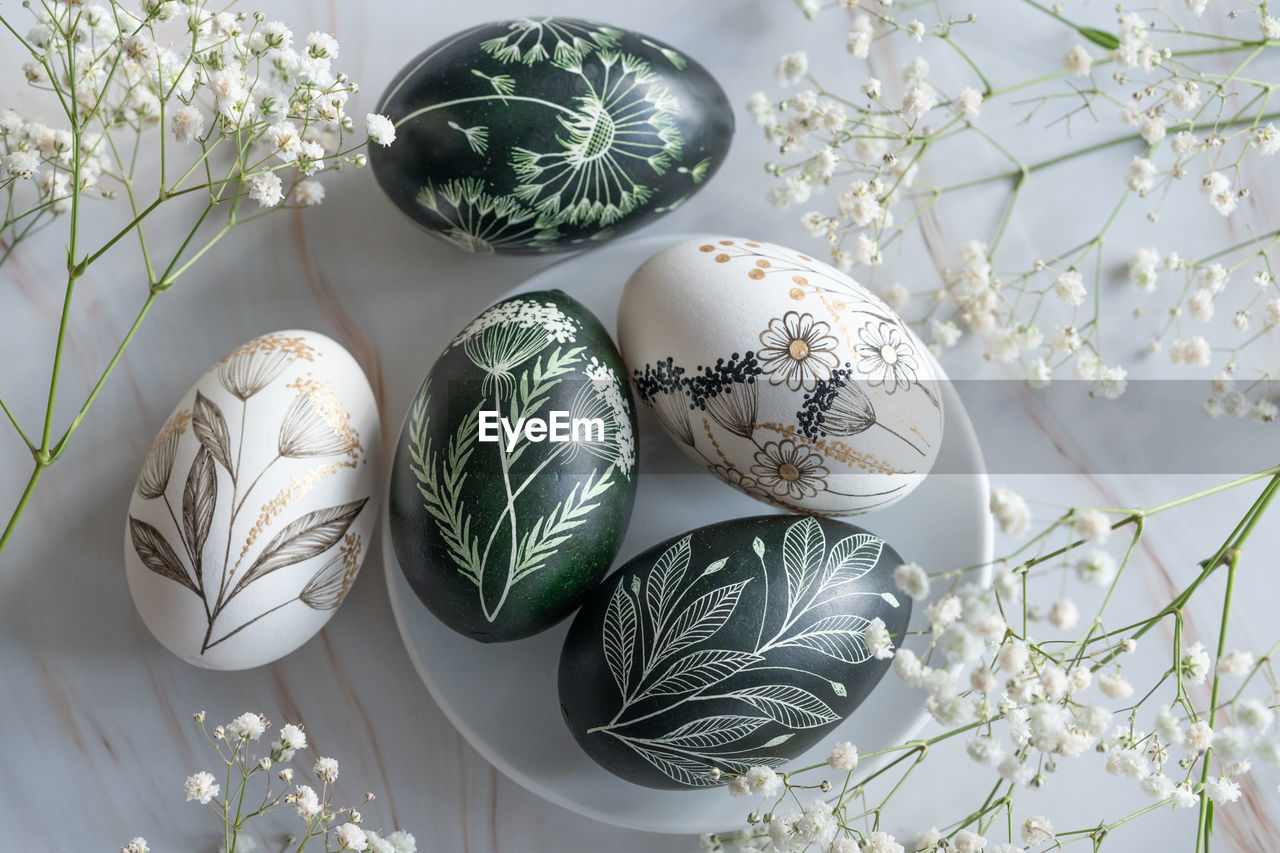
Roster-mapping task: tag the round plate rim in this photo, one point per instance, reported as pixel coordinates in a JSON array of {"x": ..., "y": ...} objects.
[{"x": 397, "y": 586}]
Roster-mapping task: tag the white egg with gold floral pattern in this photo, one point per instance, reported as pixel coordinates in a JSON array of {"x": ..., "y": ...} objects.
[
  {"x": 782, "y": 375},
  {"x": 255, "y": 505}
]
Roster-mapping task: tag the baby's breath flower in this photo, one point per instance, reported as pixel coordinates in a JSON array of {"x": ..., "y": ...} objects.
[
  {"x": 379, "y": 129},
  {"x": 844, "y": 757},
  {"x": 326, "y": 769},
  {"x": 1011, "y": 511},
  {"x": 201, "y": 787},
  {"x": 791, "y": 68},
  {"x": 136, "y": 845},
  {"x": 912, "y": 580},
  {"x": 878, "y": 640},
  {"x": 351, "y": 837},
  {"x": 1222, "y": 790},
  {"x": 1078, "y": 61},
  {"x": 266, "y": 189},
  {"x": 1096, "y": 567},
  {"x": 1064, "y": 614},
  {"x": 307, "y": 802}
]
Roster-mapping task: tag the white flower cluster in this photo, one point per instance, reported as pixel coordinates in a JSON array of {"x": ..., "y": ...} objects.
[
  {"x": 867, "y": 147},
  {"x": 1028, "y": 704},
  {"x": 236, "y": 745},
  {"x": 206, "y": 75}
]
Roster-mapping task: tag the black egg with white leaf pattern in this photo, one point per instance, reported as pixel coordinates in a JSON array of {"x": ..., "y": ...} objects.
[
  {"x": 735, "y": 644},
  {"x": 541, "y": 134}
]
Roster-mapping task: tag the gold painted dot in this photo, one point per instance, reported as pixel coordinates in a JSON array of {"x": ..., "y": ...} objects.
[
  {"x": 722, "y": 258},
  {"x": 798, "y": 349},
  {"x": 789, "y": 472},
  {"x": 762, "y": 263},
  {"x": 799, "y": 279},
  {"x": 753, "y": 245},
  {"x": 797, "y": 293},
  {"x": 756, "y": 273},
  {"x": 806, "y": 258},
  {"x": 707, "y": 248},
  {"x": 726, "y": 242},
  {"x": 839, "y": 305}
]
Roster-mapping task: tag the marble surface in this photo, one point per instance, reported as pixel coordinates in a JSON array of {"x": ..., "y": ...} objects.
[{"x": 95, "y": 732}]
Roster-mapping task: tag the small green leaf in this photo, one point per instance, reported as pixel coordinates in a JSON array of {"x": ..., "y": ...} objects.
[
  {"x": 715, "y": 567},
  {"x": 1101, "y": 38},
  {"x": 758, "y": 545},
  {"x": 839, "y": 689},
  {"x": 780, "y": 739},
  {"x": 890, "y": 597}
]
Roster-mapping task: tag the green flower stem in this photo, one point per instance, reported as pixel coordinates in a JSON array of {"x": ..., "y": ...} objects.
[{"x": 17, "y": 426}]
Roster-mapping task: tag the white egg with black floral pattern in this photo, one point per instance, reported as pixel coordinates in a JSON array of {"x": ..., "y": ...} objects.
[
  {"x": 782, "y": 375},
  {"x": 255, "y": 505}
]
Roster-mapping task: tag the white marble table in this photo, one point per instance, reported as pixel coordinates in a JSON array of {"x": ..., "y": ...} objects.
[{"x": 95, "y": 732}]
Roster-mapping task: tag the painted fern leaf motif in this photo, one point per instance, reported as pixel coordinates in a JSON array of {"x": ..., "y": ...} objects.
[
  {"x": 655, "y": 636},
  {"x": 440, "y": 482}
]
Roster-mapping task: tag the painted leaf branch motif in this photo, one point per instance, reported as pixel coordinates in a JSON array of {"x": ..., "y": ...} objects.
[
  {"x": 316, "y": 425},
  {"x": 525, "y": 350},
  {"x": 655, "y": 639}
]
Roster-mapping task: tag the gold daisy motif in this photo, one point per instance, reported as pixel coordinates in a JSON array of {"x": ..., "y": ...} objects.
[
  {"x": 797, "y": 351},
  {"x": 790, "y": 470}
]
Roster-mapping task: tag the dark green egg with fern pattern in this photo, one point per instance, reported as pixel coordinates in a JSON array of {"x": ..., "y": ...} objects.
[
  {"x": 737, "y": 644},
  {"x": 514, "y": 474},
  {"x": 544, "y": 134}
]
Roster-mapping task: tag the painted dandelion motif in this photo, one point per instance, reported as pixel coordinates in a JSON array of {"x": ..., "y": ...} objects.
[
  {"x": 509, "y": 334},
  {"x": 533, "y": 40},
  {"x": 664, "y": 387},
  {"x": 628, "y": 115},
  {"x": 253, "y": 366},
  {"x": 159, "y": 464},
  {"x": 317, "y": 424},
  {"x": 603, "y": 397},
  {"x": 480, "y": 222},
  {"x": 728, "y": 393},
  {"x": 477, "y": 137}
]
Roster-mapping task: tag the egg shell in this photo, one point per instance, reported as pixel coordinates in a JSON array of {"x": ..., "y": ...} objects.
[
  {"x": 781, "y": 374},
  {"x": 735, "y": 644},
  {"x": 538, "y": 134},
  {"x": 255, "y": 505},
  {"x": 457, "y": 502}
]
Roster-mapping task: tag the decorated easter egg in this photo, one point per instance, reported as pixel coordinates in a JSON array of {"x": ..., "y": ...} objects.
[
  {"x": 539, "y": 134},
  {"x": 515, "y": 471},
  {"x": 255, "y": 505},
  {"x": 736, "y": 644},
  {"x": 781, "y": 374}
]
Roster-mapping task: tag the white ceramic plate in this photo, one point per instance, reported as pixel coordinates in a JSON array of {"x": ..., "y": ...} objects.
[{"x": 503, "y": 697}]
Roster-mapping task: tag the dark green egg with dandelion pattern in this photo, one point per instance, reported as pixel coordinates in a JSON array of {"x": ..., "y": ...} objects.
[
  {"x": 542, "y": 134},
  {"x": 514, "y": 475},
  {"x": 740, "y": 643}
]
